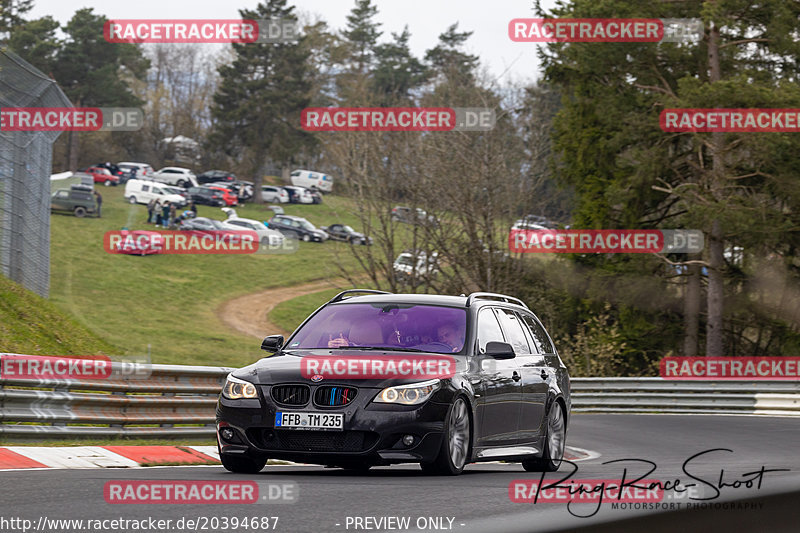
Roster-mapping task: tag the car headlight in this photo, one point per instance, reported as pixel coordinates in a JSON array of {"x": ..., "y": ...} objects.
[
  {"x": 412, "y": 394},
  {"x": 236, "y": 389}
]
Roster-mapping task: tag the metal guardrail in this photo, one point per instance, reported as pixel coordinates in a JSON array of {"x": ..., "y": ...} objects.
[
  {"x": 657, "y": 395},
  {"x": 176, "y": 400},
  {"x": 167, "y": 401}
]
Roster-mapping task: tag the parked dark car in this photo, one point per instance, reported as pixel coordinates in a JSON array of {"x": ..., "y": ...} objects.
[
  {"x": 342, "y": 232},
  {"x": 211, "y": 176},
  {"x": 297, "y": 227},
  {"x": 206, "y": 196},
  {"x": 78, "y": 200},
  {"x": 507, "y": 398}
]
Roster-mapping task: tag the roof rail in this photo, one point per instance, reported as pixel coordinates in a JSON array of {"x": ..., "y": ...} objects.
[
  {"x": 495, "y": 296},
  {"x": 341, "y": 296}
]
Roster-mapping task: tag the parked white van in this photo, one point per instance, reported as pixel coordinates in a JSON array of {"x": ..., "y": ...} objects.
[
  {"x": 312, "y": 180},
  {"x": 142, "y": 191}
]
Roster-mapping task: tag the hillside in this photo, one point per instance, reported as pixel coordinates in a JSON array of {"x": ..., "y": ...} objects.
[{"x": 30, "y": 324}]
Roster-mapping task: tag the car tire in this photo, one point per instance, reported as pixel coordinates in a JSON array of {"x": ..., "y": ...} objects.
[
  {"x": 80, "y": 212},
  {"x": 306, "y": 238},
  {"x": 107, "y": 183},
  {"x": 132, "y": 199},
  {"x": 554, "y": 443},
  {"x": 242, "y": 464},
  {"x": 456, "y": 442}
]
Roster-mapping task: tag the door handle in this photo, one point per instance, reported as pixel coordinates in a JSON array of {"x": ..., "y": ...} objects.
[
  {"x": 515, "y": 376},
  {"x": 544, "y": 374}
]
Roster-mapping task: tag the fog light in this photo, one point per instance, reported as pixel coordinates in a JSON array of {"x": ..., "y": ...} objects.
[
  {"x": 227, "y": 433},
  {"x": 408, "y": 440}
]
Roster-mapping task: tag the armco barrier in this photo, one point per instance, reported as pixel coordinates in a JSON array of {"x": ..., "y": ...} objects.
[
  {"x": 175, "y": 401},
  {"x": 657, "y": 395},
  {"x": 172, "y": 401}
]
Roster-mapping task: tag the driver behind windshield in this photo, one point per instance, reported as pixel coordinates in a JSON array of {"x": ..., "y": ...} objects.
[{"x": 452, "y": 335}]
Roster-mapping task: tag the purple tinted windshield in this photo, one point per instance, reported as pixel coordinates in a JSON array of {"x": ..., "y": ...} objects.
[{"x": 427, "y": 328}]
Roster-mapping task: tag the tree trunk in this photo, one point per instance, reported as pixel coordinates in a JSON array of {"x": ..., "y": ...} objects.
[
  {"x": 74, "y": 150},
  {"x": 691, "y": 311},
  {"x": 716, "y": 287},
  {"x": 714, "y": 340}
]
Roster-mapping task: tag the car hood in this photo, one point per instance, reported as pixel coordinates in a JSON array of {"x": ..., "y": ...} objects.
[{"x": 287, "y": 369}]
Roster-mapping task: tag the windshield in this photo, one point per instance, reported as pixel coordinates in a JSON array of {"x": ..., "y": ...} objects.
[
  {"x": 406, "y": 260},
  {"x": 426, "y": 328},
  {"x": 305, "y": 224}
]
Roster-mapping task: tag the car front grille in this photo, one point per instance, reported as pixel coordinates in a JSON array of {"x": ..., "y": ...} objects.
[
  {"x": 312, "y": 441},
  {"x": 291, "y": 394},
  {"x": 330, "y": 395}
]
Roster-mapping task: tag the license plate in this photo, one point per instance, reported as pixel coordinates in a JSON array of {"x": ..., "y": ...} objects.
[{"x": 293, "y": 420}]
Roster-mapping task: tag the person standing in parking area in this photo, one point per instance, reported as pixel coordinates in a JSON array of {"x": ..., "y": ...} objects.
[
  {"x": 165, "y": 214},
  {"x": 151, "y": 207},
  {"x": 157, "y": 210},
  {"x": 173, "y": 214},
  {"x": 192, "y": 208},
  {"x": 98, "y": 198}
]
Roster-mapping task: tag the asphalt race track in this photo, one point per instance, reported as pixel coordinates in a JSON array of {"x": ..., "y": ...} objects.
[{"x": 478, "y": 500}]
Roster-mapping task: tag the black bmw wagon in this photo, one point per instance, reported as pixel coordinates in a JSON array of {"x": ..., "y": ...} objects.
[{"x": 374, "y": 378}]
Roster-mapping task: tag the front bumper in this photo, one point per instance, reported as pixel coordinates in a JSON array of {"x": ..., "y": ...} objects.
[{"x": 372, "y": 432}]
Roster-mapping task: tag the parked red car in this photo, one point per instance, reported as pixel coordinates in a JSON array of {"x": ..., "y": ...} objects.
[
  {"x": 101, "y": 175},
  {"x": 228, "y": 196}
]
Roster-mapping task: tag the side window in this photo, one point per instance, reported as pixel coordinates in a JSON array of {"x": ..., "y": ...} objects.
[
  {"x": 62, "y": 194},
  {"x": 145, "y": 188},
  {"x": 543, "y": 343},
  {"x": 156, "y": 190},
  {"x": 513, "y": 330},
  {"x": 488, "y": 329}
]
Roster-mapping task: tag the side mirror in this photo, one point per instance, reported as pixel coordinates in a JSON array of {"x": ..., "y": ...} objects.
[
  {"x": 499, "y": 350},
  {"x": 272, "y": 343}
]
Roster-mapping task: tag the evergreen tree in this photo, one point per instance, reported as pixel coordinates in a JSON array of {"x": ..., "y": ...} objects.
[{"x": 260, "y": 97}]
